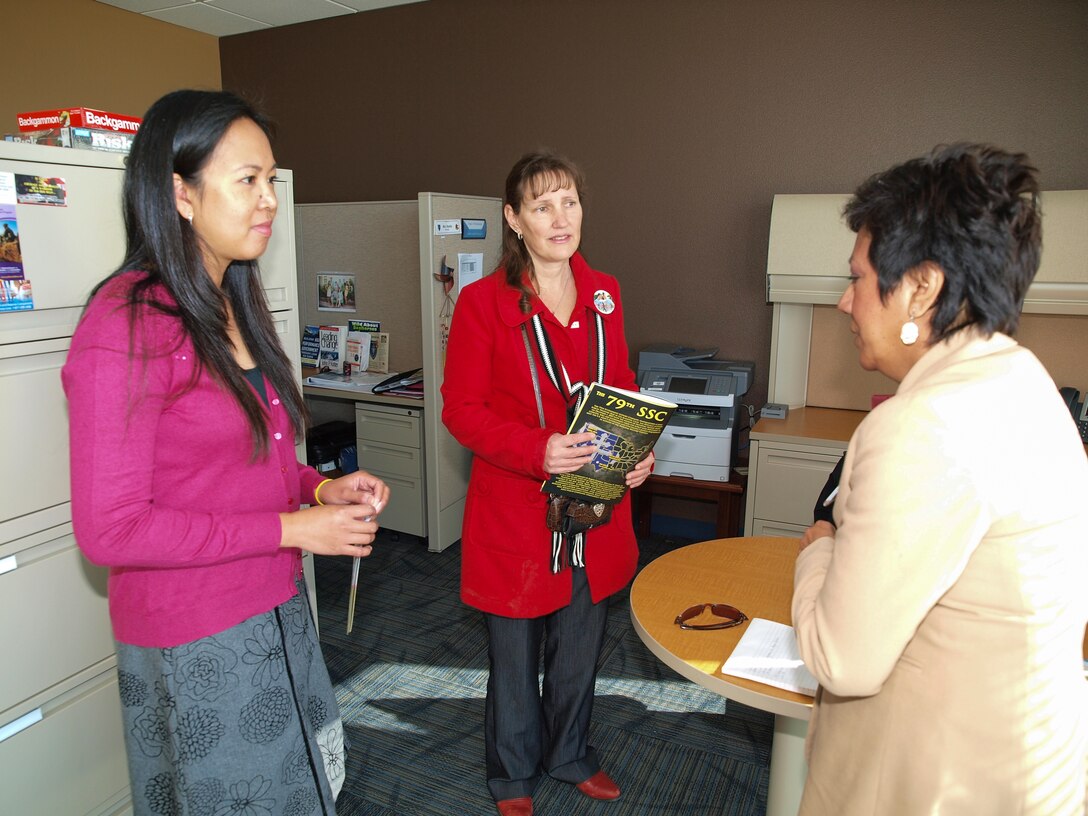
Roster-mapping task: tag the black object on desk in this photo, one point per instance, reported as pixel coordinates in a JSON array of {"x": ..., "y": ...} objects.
[{"x": 399, "y": 381}]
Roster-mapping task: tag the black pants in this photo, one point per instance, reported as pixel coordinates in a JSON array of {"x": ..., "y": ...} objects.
[{"x": 527, "y": 731}]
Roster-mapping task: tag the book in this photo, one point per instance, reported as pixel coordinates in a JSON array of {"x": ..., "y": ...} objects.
[
  {"x": 404, "y": 379},
  {"x": 358, "y": 349},
  {"x": 379, "y": 352},
  {"x": 413, "y": 391},
  {"x": 311, "y": 344},
  {"x": 767, "y": 653},
  {"x": 627, "y": 424},
  {"x": 368, "y": 326},
  {"x": 333, "y": 348},
  {"x": 78, "y": 117}
]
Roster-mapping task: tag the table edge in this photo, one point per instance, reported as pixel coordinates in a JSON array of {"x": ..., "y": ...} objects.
[{"x": 718, "y": 684}]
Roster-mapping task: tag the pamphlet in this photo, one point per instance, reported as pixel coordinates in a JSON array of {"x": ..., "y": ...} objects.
[
  {"x": 311, "y": 345},
  {"x": 626, "y": 425}
]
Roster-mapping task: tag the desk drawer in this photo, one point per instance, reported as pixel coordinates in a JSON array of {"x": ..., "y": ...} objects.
[
  {"x": 389, "y": 425},
  {"x": 789, "y": 481},
  {"x": 397, "y": 459},
  {"x": 53, "y": 611},
  {"x": 407, "y": 508}
]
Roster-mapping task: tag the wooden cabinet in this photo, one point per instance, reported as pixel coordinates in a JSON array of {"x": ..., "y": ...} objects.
[{"x": 789, "y": 462}]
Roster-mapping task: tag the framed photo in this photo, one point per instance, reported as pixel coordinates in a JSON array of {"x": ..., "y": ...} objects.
[{"x": 335, "y": 292}]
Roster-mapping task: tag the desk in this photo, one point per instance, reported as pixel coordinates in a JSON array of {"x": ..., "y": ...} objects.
[
  {"x": 728, "y": 497},
  {"x": 789, "y": 461},
  {"x": 755, "y": 575},
  {"x": 390, "y": 439}
]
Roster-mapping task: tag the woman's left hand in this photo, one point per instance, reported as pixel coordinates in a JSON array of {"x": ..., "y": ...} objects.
[
  {"x": 640, "y": 472},
  {"x": 356, "y": 488}
]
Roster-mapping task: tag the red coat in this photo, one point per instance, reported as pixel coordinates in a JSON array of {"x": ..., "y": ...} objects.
[{"x": 490, "y": 408}]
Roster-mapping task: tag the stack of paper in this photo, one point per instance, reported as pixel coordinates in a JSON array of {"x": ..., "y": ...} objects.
[{"x": 767, "y": 653}]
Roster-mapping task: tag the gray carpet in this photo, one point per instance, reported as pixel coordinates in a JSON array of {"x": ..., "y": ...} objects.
[{"x": 411, "y": 679}]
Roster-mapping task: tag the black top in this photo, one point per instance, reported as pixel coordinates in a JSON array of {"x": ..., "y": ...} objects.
[{"x": 256, "y": 379}]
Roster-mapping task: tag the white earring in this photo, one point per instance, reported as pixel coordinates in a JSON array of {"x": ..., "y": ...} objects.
[
  {"x": 190, "y": 219},
  {"x": 908, "y": 335},
  {"x": 518, "y": 234}
]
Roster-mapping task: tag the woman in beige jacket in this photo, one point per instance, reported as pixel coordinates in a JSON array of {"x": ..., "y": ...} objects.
[{"x": 943, "y": 610}]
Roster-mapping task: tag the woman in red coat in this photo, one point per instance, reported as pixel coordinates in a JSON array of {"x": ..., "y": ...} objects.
[{"x": 544, "y": 323}]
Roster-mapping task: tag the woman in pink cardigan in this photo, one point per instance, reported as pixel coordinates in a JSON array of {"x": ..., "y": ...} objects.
[{"x": 184, "y": 413}]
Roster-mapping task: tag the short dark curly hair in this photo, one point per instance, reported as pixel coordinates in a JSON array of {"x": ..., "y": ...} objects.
[{"x": 973, "y": 210}]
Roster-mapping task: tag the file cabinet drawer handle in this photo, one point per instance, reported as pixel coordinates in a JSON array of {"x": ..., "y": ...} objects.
[{"x": 21, "y": 724}]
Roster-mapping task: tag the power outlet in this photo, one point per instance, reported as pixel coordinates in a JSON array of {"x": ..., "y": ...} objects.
[{"x": 774, "y": 410}]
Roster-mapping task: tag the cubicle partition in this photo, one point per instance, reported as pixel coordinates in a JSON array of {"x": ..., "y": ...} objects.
[{"x": 395, "y": 250}]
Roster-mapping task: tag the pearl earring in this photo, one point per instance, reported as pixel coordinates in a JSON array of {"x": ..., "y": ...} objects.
[{"x": 908, "y": 335}]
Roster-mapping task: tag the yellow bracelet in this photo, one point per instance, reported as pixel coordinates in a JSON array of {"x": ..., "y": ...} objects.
[{"x": 318, "y": 489}]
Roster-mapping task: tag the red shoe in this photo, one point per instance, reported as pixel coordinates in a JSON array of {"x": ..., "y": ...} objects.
[
  {"x": 522, "y": 806},
  {"x": 600, "y": 786}
]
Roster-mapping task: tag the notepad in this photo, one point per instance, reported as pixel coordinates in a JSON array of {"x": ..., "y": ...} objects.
[{"x": 768, "y": 653}]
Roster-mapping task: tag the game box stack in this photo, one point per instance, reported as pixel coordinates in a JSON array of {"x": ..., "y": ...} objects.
[{"x": 84, "y": 128}]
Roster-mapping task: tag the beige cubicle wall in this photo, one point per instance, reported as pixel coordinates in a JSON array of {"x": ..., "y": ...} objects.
[
  {"x": 394, "y": 252},
  {"x": 835, "y": 380},
  {"x": 378, "y": 243}
]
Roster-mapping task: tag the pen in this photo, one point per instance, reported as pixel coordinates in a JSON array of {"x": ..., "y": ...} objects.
[{"x": 831, "y": 496}]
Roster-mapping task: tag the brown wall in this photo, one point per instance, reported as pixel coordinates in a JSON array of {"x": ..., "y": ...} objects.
[
  {"x": 61, "y": 53},
  {"x": 688, "y": 116}
]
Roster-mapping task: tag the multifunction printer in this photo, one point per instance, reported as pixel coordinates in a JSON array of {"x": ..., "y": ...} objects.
[{"x": 699, "y": 441}]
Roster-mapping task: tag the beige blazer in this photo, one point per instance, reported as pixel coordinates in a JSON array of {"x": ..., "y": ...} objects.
[{"x": 944, "y": 619}]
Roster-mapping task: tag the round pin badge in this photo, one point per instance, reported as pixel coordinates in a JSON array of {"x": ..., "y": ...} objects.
[{"x": 603, "y": 301}]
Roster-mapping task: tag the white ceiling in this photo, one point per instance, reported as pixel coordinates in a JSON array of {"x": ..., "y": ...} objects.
[{"x": 222, "y": 18}]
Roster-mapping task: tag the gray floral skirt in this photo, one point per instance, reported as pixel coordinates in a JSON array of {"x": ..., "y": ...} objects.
[{"x": 242, "y": 722}]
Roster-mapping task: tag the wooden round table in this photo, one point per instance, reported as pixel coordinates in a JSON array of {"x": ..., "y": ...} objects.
[{"x": 755, "y": 575}]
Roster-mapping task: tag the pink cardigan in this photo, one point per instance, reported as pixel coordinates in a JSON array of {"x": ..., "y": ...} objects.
[{"x": 164, "y": 491}]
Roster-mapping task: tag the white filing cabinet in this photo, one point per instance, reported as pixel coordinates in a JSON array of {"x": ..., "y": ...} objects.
[
  {"x": 789, "y": 462},
  {"x": 390, "y": 441},
  {"x": 61, "y": 741}
]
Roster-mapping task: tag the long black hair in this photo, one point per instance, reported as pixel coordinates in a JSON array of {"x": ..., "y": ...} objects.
[{"x": 178, "y": 135}]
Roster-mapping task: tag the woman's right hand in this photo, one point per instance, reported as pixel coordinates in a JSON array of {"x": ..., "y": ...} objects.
[
  {"x": 331, "y": 529},
  {"x": 819, "y": 529},
  {"x": 566, "y": 453}
]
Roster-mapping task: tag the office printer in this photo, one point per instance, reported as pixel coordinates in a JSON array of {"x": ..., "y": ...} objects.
[{"x": 699, "y": 441}]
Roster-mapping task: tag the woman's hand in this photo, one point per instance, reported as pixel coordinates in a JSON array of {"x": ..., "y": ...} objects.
[
  {"x": 568, "y": 452},
  {"x": 345, "y": 525},
  {"x": 355, "y": 488},
  {"x": 640, "y": 472},
  {"x": 820, "y": 529},
  {"x": 332, "y": 529}
]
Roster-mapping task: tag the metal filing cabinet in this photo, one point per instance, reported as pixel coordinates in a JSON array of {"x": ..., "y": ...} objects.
[{"x": 390, "y": 440}]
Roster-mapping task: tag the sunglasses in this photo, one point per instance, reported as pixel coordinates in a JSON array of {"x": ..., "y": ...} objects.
[{"x": 731, "y": 615}]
